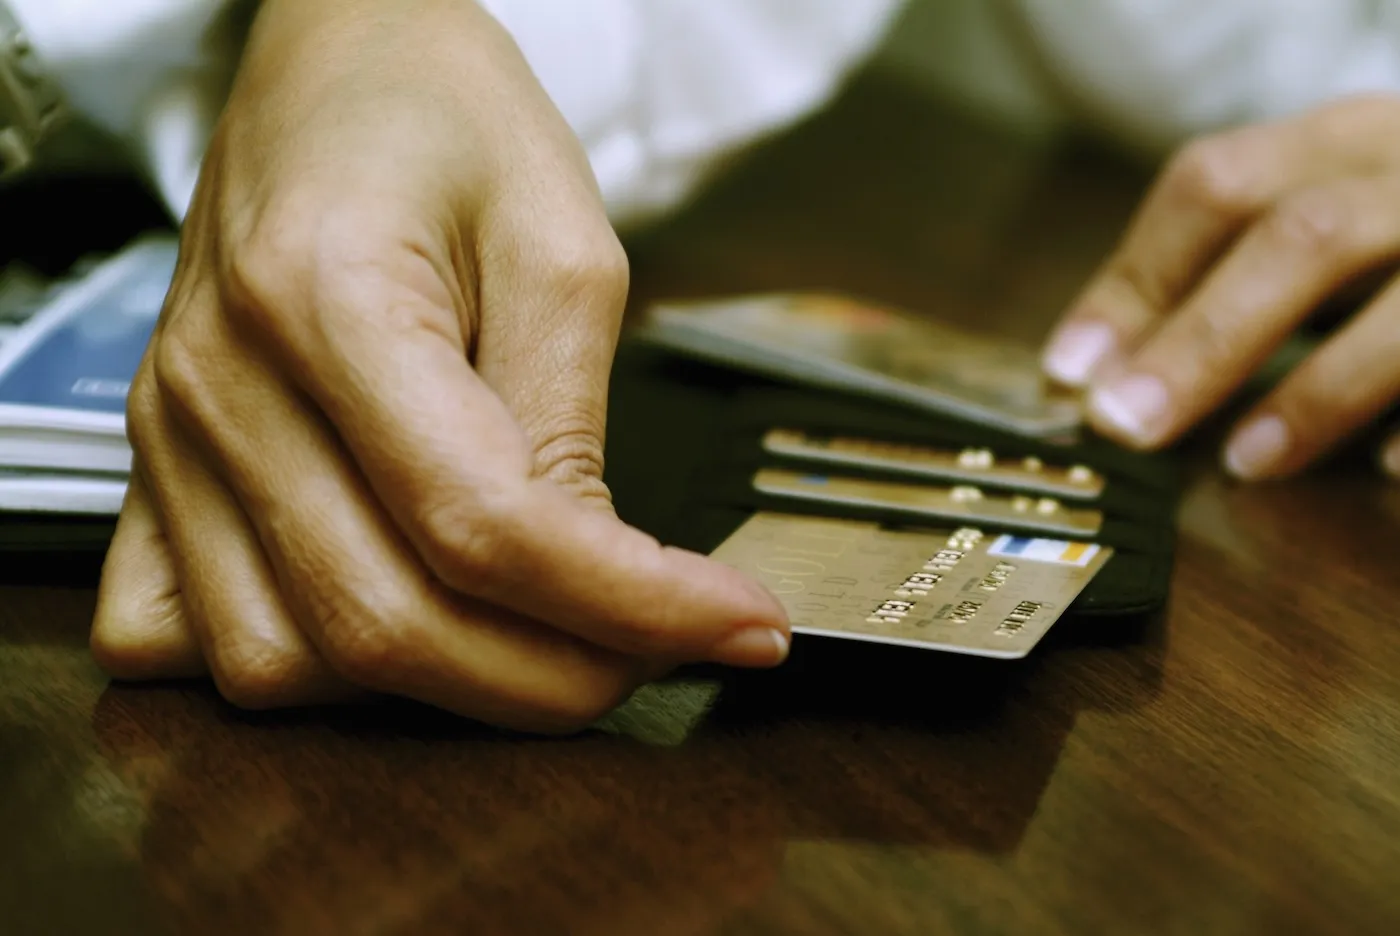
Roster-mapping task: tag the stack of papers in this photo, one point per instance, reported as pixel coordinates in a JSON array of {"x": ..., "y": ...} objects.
[{"x": 64, "y": 377}]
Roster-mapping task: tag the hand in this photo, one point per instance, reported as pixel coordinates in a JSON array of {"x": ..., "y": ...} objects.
[
  {"x": 1244, "y": 236},
  {"x": 369, "y": 428}
]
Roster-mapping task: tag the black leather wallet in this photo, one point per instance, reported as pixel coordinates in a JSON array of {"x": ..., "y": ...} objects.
[{"x": 685, "y": 440}]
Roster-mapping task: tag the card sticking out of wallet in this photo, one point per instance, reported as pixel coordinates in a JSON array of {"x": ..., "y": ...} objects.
[
  {"x": 956, "y": 504},
  {"x": 970, "y": 465},
  {"x": 961, "y": 590},
  {"x": 846, "y": 344}
]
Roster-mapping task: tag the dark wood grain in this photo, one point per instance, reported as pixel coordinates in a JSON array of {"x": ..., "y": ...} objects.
[{"x": 1232, "y": 767}]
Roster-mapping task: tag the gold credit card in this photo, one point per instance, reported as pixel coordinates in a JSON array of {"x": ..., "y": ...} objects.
[
  {"x": 975, "y": 465},
  {"x": 960, "y": 590},
  {"x": 955, "y": 504},
  {"x": 853, "y": 345}
]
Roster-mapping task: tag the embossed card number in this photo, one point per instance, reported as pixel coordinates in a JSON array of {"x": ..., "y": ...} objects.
[{"x": 960, "y": 590}]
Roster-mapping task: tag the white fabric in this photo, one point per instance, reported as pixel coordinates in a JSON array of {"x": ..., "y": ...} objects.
[
  {"x": 1156, "y": 71},
  {"x": 660, "y": 89},
  {"x": 139, "y": 70}
]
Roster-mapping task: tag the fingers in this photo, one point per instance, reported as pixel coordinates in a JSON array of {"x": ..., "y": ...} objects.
[
  {"x": 386, "y": 361},
  {"x": 374, "y": 612},
  {"x": 1341, "y": 387},
  {"x": 1280, "y": 269},
  {"x": 254, "y": 649},
  {"x": 1203, "y": 198},
  {"x": 140, "y": 630}
]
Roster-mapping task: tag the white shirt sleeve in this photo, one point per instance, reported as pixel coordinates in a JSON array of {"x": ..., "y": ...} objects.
[
  {"x": 1154, "y": 72},
  {"x": 658, "y": 90},
  {"x": 149, "y": 74}
]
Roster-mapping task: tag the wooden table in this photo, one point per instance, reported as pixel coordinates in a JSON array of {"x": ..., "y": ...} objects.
[{"x": 1233, "y": 767}]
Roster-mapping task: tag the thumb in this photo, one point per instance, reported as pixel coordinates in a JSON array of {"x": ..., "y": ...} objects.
[
  {"x": 549, "y": 321},
  {"x": 445, "y": 452},
  {"x": 549, "y": 324}
]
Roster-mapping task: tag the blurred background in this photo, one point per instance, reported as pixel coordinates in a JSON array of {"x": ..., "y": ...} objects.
[{"x": 965, "y": 52}]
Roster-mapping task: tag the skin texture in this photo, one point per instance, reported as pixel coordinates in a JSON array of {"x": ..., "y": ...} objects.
[
  {"x": 369, "y": 428},
  {"x": 1243, "y": 237}
]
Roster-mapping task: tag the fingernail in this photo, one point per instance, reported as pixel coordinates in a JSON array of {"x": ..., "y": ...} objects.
[
  {"x": 1076, "y": 352},
  {"x": 754, "y": 646},
  {"x": 1257, "y": 447},
  {"x": 1137, "y": 407},
  {"x": 1390, "y": 458}
]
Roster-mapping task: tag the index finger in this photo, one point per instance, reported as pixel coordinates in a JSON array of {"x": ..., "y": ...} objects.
[
  {"x": 1199, "y": 203},
  {"x": 386, "y": 362}
]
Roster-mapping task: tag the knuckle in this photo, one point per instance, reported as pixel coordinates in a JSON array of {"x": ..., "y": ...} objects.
[
  {"x": 1140, "y": 282},
  {"x": 1211, "y": 173},
  {"x": 288, "y": 254},
  {"x": 589, "y": 270},
  {"x": 364, "y": 641},
  {"x": 180, "y": 361},
  {"x": 1210, "y": 338},
  {"x": 1312, "y": 222},
  {"x": 142, "y": 411},
  {"x": 185, "y": 363},
  {"x": 258, "y": 271},
  {"x": 302, "y": 272},
  {"x": 255, "y": 672},
  {"x": 569, "y": 451},
  {"x": 466, "y": 539}
]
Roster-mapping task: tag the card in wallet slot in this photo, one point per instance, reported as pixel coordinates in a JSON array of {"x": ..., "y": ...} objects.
[
  {"x": 723, "y": 485},
  {"x": 969, "y": 465},
  {"x": 1135, "y": 484},
  {"x": 741, "y": 450},
  {"x": 917, "y": 502},
  {"x": 685, "y": 440}
]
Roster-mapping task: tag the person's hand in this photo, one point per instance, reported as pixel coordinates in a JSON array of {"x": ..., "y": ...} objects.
[
  {"x": 1243, "y": 236},
  {"x": 369, "y": 428}
]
